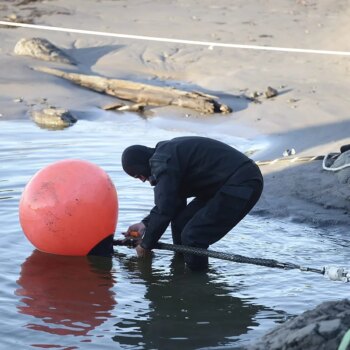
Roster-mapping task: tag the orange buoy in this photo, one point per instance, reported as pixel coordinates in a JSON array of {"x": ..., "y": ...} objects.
[{"x": 68, "y": 207}]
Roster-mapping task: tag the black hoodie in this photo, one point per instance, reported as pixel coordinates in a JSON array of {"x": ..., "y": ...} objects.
[{"x": 187, "y": 167}]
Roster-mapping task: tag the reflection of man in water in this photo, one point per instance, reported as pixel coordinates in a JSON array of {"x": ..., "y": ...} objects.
[
  {"x": 187, "y": 310},
  {"x": 69, "y": 295}
]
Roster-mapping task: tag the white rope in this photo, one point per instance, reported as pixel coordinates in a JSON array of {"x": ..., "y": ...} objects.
[
  {"x": 306, "y": 159},
  {"x": 177, "y": 41},
  {"x": 291, "y": 160},
  {"x": 325, "y": 167}
]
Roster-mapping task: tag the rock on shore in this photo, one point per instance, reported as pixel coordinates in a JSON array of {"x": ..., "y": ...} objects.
[
  {"x": 41, "y": 49},
  {"x": 53, "y": 118},
  {"x": 320, "y": 329}
]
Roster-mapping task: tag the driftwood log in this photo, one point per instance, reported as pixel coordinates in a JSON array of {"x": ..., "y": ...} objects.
[{"x": 143, "y": 94}]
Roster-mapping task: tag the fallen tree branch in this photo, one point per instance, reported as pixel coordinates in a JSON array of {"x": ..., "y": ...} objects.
[{"x": 143, "y": 94}]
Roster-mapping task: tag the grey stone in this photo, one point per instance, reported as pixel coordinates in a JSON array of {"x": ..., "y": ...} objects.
[
  {"x": 42, "y": 49},
  {"x": 270, "y": 92},
  {"x": 328, "y": 328},
  {"x": 53, "y": 118}
]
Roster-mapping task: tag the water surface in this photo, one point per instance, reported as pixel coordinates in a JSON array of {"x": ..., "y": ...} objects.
[{"x": 60, "y": 302}]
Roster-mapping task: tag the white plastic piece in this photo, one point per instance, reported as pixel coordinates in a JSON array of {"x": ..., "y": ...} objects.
[
  {"x": 337, "y": 274},
  {"x": 289, "y": 152}
]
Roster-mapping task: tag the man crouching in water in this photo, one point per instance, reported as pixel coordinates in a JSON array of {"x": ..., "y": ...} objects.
[{"x": 224, "y": 182}]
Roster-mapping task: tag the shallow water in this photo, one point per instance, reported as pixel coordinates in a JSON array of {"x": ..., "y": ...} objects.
[{"x": 60, "y": 302}]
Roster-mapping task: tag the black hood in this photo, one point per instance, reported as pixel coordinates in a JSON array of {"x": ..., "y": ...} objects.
[{"x": 135, "y": 160}]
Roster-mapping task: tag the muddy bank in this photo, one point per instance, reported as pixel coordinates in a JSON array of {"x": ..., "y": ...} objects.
[{"x": 305, "y": 193}]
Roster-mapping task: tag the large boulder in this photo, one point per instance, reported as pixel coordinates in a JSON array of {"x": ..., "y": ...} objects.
[{"x": 319, "y": 329}]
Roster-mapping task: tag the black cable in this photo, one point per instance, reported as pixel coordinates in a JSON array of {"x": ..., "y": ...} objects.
[{"x": 223, "y": 256}]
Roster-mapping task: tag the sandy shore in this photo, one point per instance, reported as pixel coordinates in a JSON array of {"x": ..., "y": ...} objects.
[{"x": 310, "y": 113}]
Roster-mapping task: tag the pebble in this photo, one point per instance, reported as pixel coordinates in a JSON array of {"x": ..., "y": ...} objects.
[
  {"x": 12, "y": 17},
  {"x": 255, "y": 94},
  {"x": 270, "y": 92}
]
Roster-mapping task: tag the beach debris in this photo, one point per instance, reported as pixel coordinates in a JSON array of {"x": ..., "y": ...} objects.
[
  {"x": 345, "y": 148},
  {"x": 270, "y": 92},
  {"x": 18, "y": 100},
  {"x": 289, "y": 152},
  {"x": 321, "y": 328},
  {"x": 137, "y": 107},
  {"x": 41, "y": 49},
  {"x": 143, "y": 94},
  {"x": 253, "y": 96},
  {"x": 257, "y": 96},
  {"x": 53, "y": 118},
  {"x": 293, "y": 102},
  {"x": 12, "y": 17}
]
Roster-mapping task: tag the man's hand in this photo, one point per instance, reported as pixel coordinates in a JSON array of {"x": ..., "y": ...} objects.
[
  {"x": 135, "y": 230},
  {"x": 142, "y": 252},
  {"x": 134, "y": 233}
]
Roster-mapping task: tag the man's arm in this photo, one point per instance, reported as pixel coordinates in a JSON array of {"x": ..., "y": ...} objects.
[{"x": 167, "y": 204}]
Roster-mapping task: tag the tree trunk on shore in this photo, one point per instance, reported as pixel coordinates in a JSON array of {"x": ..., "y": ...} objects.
[{"x": 143, "y": 94}]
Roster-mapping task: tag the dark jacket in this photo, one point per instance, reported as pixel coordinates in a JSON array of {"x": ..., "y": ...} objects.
[{"x": 186, "y": 167}]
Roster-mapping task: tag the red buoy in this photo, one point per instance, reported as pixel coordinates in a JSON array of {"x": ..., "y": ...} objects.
[{"x": 68, "y": 207}]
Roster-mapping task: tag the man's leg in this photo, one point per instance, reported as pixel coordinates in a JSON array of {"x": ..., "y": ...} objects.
[
  {"x": 221, "y": 213},
  {"x": 183, "y": 217}
]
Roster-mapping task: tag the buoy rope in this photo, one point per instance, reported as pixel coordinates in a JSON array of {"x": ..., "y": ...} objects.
[
  {"x": 210, "y": 44},
  {"x": 345, "y": 342},
  {"x": 226, "y": 256},
  {"x": 336, "y": 274},
  {"x": 325, "y": 167},
  {"x": 296, "y": 159}
]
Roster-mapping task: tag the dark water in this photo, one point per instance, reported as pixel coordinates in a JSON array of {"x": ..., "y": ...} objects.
[{"x": 60, "y": 302}]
